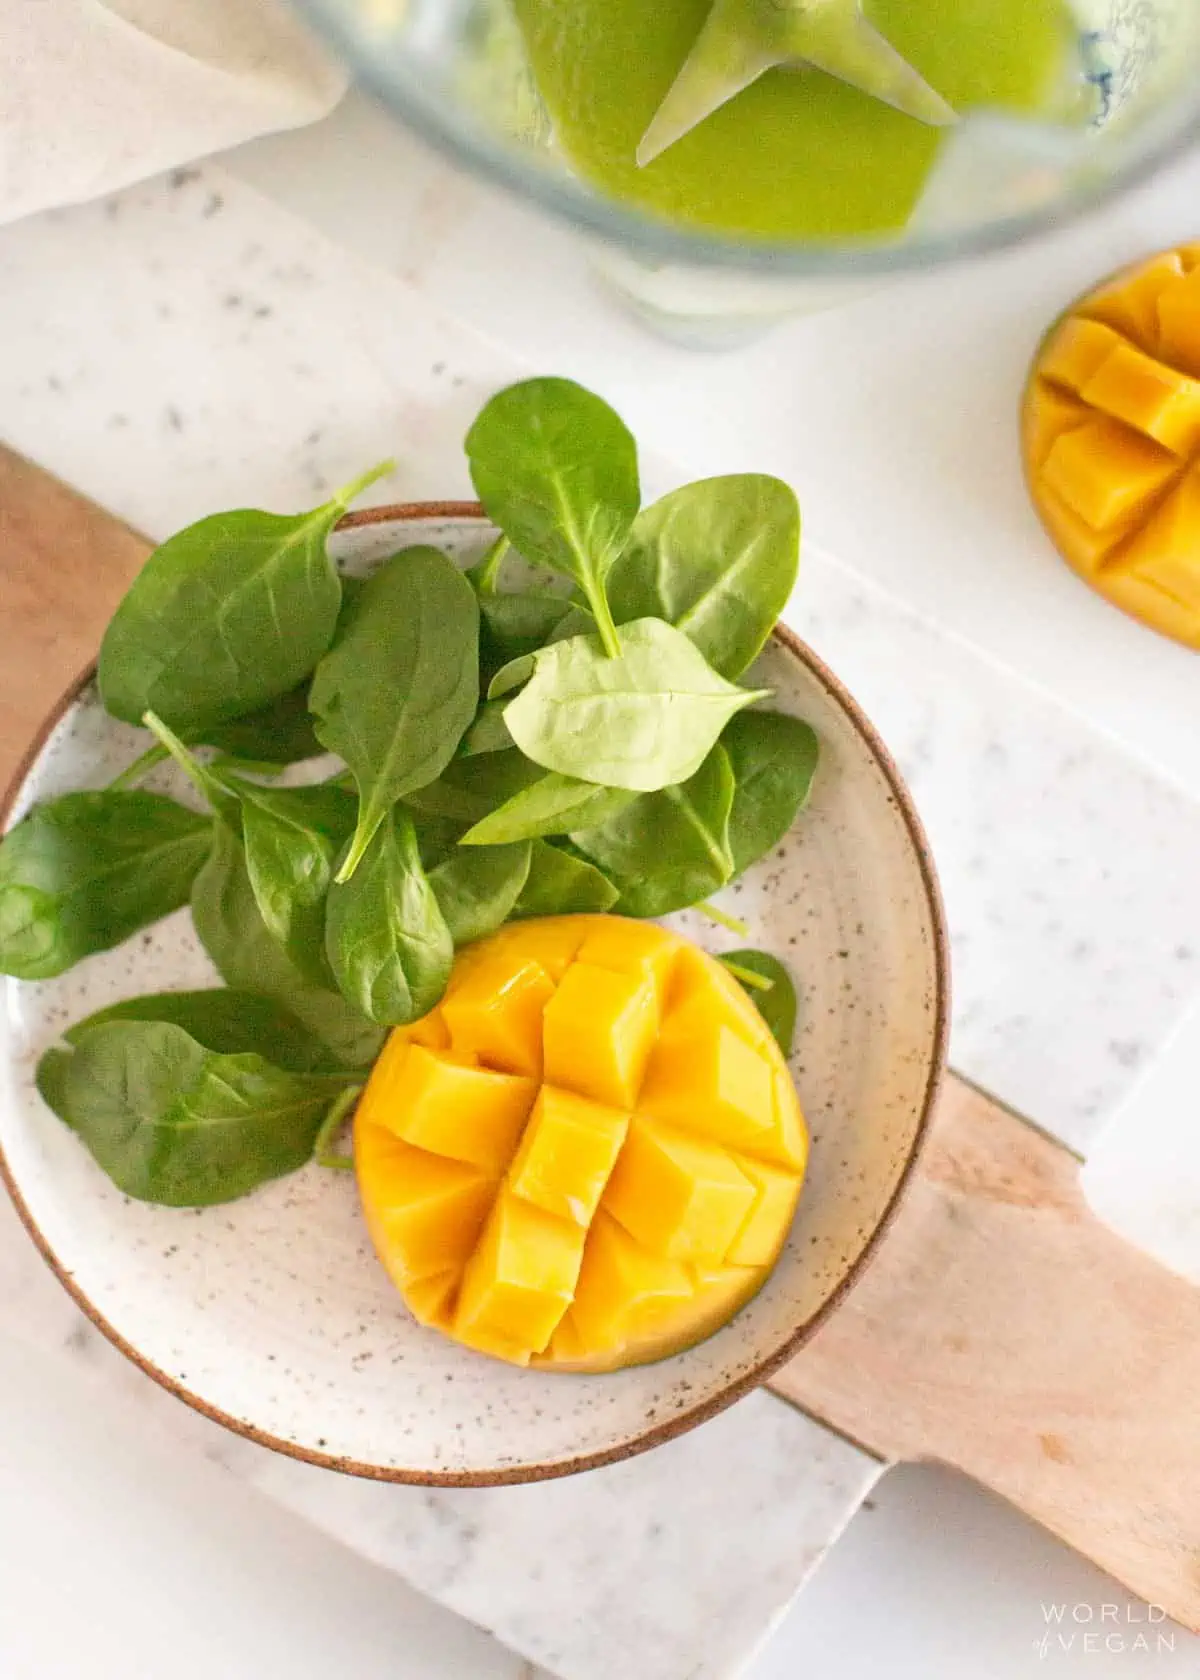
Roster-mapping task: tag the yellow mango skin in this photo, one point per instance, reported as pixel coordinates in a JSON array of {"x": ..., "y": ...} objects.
[
  {"x": 1110, "y": 437},
  {"x": 589, "y": 1155}
]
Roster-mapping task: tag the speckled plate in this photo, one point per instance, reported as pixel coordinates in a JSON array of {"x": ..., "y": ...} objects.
[{"x": 272, "y": 1314}]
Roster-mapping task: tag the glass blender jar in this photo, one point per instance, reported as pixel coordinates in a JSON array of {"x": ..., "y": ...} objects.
[{"x": 459, "y": 73}]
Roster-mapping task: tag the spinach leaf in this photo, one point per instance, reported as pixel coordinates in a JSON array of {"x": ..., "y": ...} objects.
[
  {"x": 561, "y": 883},
  {"x": 225, "y": 617},
  {"x": 81, "y": 873},
  {"x": 278, "y": 733},
  {"x": 669, "y": 849},
  {"x": 207, "y": 783},
  {"x": 776, "y": 1006},
  {"x": 553, "y": 804},
  {"x": 399, "y": 688},
  {"x": 437, "y": 837},
  {"x": 471, "y": 787},
  {"x": 226, "y": 1021},
  {"x": 488, "y": 734},
  {"x": 521, "y": 623},
  {"x": 386, "y": 937},
  {"x": 477, "y": 889},
  {"x": 718, "y": 560},
  {"x": 292, "y": 837},
  {"x": 174, "y": 1123},
  {"x": 557, "y": 471},
  {"x": 643, "y": 721},
  {"x": 774, "y": 759},
  {"x": 250, "y": 958}
]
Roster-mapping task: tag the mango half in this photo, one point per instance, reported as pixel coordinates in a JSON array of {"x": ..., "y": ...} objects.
[
  {"x": 589, "y": 1155},
  {"x": 1111, "y": 440}
]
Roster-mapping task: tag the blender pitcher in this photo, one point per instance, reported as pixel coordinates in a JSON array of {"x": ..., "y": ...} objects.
[{"x": 464, "y": 73}]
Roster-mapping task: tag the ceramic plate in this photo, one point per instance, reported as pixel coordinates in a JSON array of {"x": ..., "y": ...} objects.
[{"x": 272, "y": 1315}]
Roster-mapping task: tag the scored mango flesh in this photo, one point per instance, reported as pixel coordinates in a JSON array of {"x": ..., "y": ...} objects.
[
  {"x": 1111, "y": 440},
  {"x": 589, "y": 1155}
]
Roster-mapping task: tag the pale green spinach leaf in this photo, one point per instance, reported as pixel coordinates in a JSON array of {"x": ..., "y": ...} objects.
[
  {"x": 643, "y": 721},
  {"x": 553, "y": 804}
]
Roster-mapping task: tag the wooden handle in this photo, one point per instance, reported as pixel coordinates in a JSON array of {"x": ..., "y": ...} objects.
[
  {"x": 1003, "y": 1330},
  {"x": 64, "y": 565}
]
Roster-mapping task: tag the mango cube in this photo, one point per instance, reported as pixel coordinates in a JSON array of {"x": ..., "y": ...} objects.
[
  {"x": 521, "y": 1279},
  {"x": 678, "y": 1195},
  {"x": 1131, "y": 303},
  {"x": 1166, "y": 551},
  {"x": 434, "y": 1209},
  {"x": 495, "y": 1014},
  {"x": 569, "y": 1149},
  {"x": 765, "y": 1226},
  {"x": 1105, "y": 471},
  {"x": 556, "y": 1216},
  {"x": 599, "y": 1029},
  {"x": 468, "y": 1113},
  {"x": 1150, "y": 397},
  {"x": 705, "y": 1077},
  {"x": 1178, "y": 307},
  {"x": 621, "y": 1282},
  {"x": 1076, "y": 351},
  {"x": 642, "y": 946}
]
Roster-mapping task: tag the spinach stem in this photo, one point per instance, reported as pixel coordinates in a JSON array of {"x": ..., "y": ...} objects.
[
  {"x": 175, "y": 748},
  {"x": 141, "y": 767},
  {"x": 722, "y": 920},
  {"x": 489, "y": 567},
  {"x": 324, "y": 1153},
  {"x": 356, "y": 486},
  {"x": 747, "y": 976},
  {"x": 598, "y": 601}
]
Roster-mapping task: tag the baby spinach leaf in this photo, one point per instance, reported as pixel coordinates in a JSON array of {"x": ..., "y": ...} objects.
[
  {"x": 774, "y": 759},
  {"x": 643, "y": 721},
  {"x": 511, "y": 625},
  {"x": 511, "y": 676},
  {"x": 226, "y": 1021},
  {"x": 776, "y": 1006},
  {"x": 225, "y": 616},
  {"x": 81, "y": 873},
  {"x": 718, "y": 560},
  {"x": 561, "y": 883},
  {"x": 553, "y": 804},
  {"x": 669, "y": 849},
  {"x": 250, "y": 958},
  {"x": 386, "y": 937},
  {"x": 488, "y": 734},
  {"x": 292, "y": 837},
  {"x": 471, "y": 787},
  {"x": 278, "y": 733},
  {"x": 477, "y": 889},
  {"x": 399, "y": 688},
  {"x": 557, "y": 471},
  {"x": 174, "y": 1123}
]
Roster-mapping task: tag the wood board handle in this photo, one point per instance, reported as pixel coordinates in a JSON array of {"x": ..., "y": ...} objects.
[
  {"x": 1003, "y": 1330},
  {"x": 1000, "y": 1329},
  {"x": 64, "y": 565}
]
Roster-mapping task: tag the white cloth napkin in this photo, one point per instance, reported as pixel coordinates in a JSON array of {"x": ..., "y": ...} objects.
[{"x": 95, "y": 94}]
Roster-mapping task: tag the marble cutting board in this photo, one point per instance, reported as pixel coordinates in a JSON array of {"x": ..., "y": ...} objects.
[{"x": 188, "y": 346}]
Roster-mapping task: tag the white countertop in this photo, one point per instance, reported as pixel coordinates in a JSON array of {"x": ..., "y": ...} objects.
[{"x": 124, "y": 1560}]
